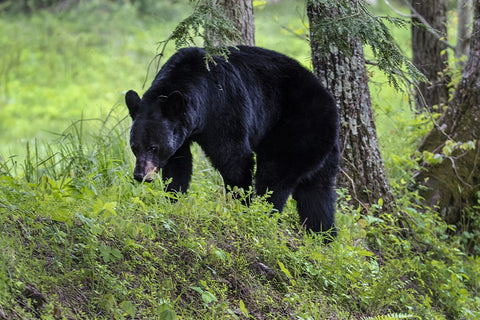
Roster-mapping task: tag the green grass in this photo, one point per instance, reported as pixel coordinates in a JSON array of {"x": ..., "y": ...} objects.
[
  {"x": 59, "y": 67},
  {"x": 96, "y": 244},
  {"x": 80, "y": 239}
]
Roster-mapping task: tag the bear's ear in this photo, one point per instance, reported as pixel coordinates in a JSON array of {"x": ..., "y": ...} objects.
[
  {"x": 175, "y": 105},
  {"x": 133, "y": 102}
]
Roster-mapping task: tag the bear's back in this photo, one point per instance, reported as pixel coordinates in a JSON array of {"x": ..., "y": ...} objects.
[
  {"x": 244, "y": 59},
  {"x": 260, "y": 84}
]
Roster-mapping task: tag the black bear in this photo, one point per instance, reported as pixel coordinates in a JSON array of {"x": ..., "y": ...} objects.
[{"x": 256, "y": 102}]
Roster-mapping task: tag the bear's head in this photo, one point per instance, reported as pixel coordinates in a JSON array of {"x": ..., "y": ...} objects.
[{"x": 157, "y": 132}]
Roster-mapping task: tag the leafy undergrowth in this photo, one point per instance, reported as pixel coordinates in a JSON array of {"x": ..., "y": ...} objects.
[{"x": 80, "y": 239}]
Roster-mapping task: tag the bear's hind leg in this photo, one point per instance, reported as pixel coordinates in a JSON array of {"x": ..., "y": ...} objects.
[
  {"x": 270, "y": 177},
  {"x": 315, "y": 196},
  {"x": 179, "y": 169}
]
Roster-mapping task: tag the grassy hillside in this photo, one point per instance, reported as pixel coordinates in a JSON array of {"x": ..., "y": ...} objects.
[{"x": 79, "y": 239}]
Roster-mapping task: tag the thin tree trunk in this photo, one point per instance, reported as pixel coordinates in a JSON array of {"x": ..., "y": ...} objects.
[
  {"x": 453, "y": 185},
  {"x": 464, "y": 28},
  {"x": 429, "y": 53},
  {"x": 344, "y": 74},
  {"x": 240, "y": 12}
]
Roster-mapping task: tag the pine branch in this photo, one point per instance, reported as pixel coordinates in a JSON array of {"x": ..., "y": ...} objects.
[{"x": 357, "y": 21}]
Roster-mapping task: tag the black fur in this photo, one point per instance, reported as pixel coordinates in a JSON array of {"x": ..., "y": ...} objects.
[{"x": 259, "y": 101}]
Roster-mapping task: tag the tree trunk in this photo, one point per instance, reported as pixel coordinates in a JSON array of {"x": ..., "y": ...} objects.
[
  {"x": 453, "y": 184},
  {"x": 429, "y": 53},
  {"x": 240, "y": 12},
  {"x": 344, "y": 74},
  {"x": 464, "y": 9}
]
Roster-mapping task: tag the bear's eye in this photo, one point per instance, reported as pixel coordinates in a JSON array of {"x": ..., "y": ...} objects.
[{"x": 154, "y": 148}]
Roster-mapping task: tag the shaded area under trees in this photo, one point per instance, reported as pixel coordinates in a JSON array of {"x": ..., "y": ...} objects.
[{"x": 452, "y": 175}]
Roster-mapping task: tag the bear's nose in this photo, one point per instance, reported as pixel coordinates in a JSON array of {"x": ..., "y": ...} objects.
[{"x": 142, "y": 178}]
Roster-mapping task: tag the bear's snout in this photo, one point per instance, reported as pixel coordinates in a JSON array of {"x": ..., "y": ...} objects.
[
  {"x": 140, "y": 177},
  {"x": 147, "y": 173},
  {"x": 145, "y": 177}
]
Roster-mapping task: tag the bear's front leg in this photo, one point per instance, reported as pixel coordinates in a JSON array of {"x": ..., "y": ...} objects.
[{"x": 179, "y": 169}]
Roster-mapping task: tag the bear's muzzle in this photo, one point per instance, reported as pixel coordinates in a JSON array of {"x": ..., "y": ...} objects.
[{"x": 147, "y": 173}]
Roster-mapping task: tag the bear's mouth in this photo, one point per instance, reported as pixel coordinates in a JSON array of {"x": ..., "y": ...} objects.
[{"x": 151, "y": 175}]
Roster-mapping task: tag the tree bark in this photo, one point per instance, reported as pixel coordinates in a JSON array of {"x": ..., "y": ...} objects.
[
  {"x": 345, "y": 75},
  {"x": 453, "y": 185},
  {"x": 240, "y": 12},
  {"x": 429, "y": 53}
]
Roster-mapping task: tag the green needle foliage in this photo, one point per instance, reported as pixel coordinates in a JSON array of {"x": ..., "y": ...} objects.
[
  {"x": 345, "y": 20},
  {"x": 207, "y": 18}
]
